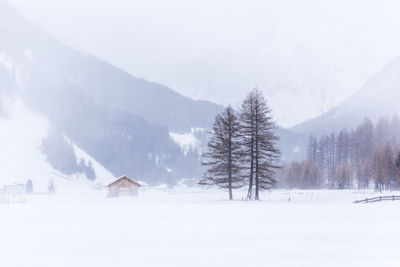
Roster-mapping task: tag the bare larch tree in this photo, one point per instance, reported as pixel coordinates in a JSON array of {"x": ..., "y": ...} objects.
[
  {"x": 259, "y": 143},
  {"x": 224, "y": 153}
]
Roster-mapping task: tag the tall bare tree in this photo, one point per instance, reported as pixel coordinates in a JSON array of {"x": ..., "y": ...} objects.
[
  {"x": 384, "y": 167},
  {"x": 312, "y": 149},
  {"x": 259, "y": 143},
  {"x": 224, "y": 153}
]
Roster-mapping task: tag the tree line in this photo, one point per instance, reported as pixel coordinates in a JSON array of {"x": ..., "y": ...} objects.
[
  {"x": 242, "y": 149},
  {"x": 364, "y": 157}
]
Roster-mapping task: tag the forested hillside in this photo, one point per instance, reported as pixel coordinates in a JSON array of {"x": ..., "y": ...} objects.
[{"x": 363, "y": 157}]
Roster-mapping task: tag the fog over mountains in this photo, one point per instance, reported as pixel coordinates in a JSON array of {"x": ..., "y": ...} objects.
[
  {"x": 122, "y": 121},
  {"x": 307, "y": 56},
  {"x": 378, "y": 97},
  {"x": 128, "y": 125}
]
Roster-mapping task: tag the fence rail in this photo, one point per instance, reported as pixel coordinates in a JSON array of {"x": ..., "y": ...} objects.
[{"x": 377, "y": 199}]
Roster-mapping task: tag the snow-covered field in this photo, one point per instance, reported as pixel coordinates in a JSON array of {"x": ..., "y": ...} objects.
[{"x": 194, "y": 227}]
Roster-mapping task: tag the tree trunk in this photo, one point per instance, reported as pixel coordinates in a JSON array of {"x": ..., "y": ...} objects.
[
  {"x": 257, "y": 159},
  {"x": 230, "y": 188},
  {"x": 250, "y": 191},
  {"x": 230, "y": 165}
]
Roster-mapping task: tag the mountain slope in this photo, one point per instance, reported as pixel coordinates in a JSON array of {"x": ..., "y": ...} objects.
[
  {"x": 129, "y": 125},
  {"x": 379, "y": 97},
  {"x": 104, "y": 84},
  {"x": 122, "y": 121},
  {"x": 22, "y": 154}
]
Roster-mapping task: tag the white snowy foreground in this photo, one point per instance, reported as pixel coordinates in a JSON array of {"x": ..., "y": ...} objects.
[{"x": 194, "y": 227}]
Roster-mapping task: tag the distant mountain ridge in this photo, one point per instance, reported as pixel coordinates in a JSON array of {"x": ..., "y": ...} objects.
[
  {"x": 380, "y": 96},
  {"x": 122, "y": 121},
  {"x": 132, "y": 126}
]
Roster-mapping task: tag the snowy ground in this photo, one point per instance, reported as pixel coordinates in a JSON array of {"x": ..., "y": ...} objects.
[{"x": 193, "y": 227}]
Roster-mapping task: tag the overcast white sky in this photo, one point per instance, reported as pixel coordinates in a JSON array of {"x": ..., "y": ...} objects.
[{"x": 306, "y": 55}]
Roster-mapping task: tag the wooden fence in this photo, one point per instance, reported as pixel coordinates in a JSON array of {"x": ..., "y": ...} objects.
[{"x": 378, "y": 199}]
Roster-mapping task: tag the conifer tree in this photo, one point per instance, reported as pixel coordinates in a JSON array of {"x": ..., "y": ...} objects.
[
  {"x": 259, "y": 143},
  {"x": 398, "y": 161},
  {"x": 29, "y": 187},
  {"x": 224, "y": 153}
]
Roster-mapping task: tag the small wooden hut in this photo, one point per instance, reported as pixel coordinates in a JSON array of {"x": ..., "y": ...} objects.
[{"x": 123, "y": 187}]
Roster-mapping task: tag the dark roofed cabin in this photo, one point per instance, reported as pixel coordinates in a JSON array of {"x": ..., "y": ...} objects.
[{"x": 123, "y": 187}]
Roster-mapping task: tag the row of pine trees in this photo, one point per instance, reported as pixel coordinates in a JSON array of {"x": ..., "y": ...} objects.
[
  {"x": 365, "y": 157},
  {"x": 242, "y": 149}
]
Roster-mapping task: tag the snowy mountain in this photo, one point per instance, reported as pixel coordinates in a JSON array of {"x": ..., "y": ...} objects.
[
  {"x": 378, "y": 97},
  {"x": 121, "y": 121},
  {"x": 21, "y": 156},
  {"x": 127, "y": 124}
]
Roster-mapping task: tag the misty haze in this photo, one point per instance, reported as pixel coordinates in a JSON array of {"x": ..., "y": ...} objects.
[{"x": 211, "y": 133}]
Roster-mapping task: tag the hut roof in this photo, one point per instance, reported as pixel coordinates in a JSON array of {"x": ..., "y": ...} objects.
[{"x": 124, "y": 177}]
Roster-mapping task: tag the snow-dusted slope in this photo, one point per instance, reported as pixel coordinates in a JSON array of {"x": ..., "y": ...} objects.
[
  {"x": 21, "y": 135},
  {"x": 115, "y": 117},
  {"x": 190, "y": 141},
  {"x": 103, "y": 176},
  {"x": 380, "y": 96}
]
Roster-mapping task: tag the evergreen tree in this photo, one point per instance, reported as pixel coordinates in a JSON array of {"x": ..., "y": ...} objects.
[
  {"x": 50, "y": 187},
  {"x": 397, "y": 183},
  {"x": 29, "y": 187},
  {"x": 383, "y": 167},
  {"x": 312, "y": 149},
  {"x": 310, "y": 175},
  {"x": 343, "y": 176},
  {"x": 304, "y": 175},
  {"x": 224, "y": 153},
  {"x": 398, "y": 161},
  {"x": 259, "y": 142},
  {"x": 293, "y": 175}
]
